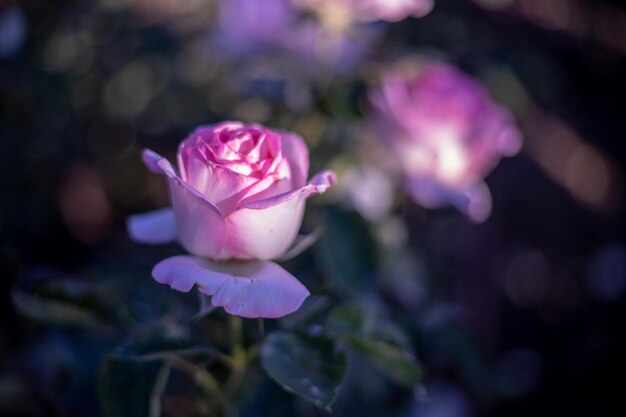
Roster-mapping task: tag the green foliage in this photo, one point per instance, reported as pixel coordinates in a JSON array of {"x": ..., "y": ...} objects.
[
  {"x": 310, "y": 311},
  {"x": 313, "y": 368},
  {"x": 126, "y": 387},
  {"x": 55, "y": 310},
  {"x": 134, "y": 375},
  {"x": 395, "y": 362},
  {"x": 381, "y": 342},
  {"x": 348, "y": 252},
  {"x": 160, "y": 340}
]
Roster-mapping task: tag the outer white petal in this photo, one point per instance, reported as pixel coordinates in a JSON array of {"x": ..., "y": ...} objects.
[
  {"x": 247, "y": 289},
  {"x": 265, "y": 229},
  {"x": 199, "y": 223},
  {"x": 152, "y": 228}
]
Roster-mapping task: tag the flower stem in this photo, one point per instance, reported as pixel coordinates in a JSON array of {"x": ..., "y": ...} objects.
[
  {"x": 159, "y": 388},
  {"x": 261, "y": 324},
  {"x": 238, "y": 363},
  {"x": 201, "y": 377},
  {"x": 238, "y": 351}
]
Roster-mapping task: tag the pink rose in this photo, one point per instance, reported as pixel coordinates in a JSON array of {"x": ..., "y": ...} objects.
[
  {"x": 342, "y": 12},
  {"x": 239, "y": 195},
  {"x": 393, "y": 10},
  {"x": 446, "y": 133}
]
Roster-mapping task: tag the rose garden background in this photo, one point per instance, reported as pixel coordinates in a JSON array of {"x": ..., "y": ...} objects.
[{"x": 486, "y": 280}]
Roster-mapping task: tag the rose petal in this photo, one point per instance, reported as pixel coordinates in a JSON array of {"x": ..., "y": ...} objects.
[
  {"x": 476, "y": 202},
  {"x": 266, "y": 188},
  {"x": 151, "y": 160},
  {"x": 393, "y": 101},
  {"x": 321, "y": 182},
  {"x": 265, "y": 229},
  {"x": 302, "y": 243},
  {"x": 233, "y": 162},
  {"x": 200, "y": 225},
  {"x": 264, "y": 234},
  {"x": 472, "y": 200},
  {"x": 393, "y": 11},
  {"x": 220, "y": 185},
  {"x": 223, "y": 186},
  {"x": 250, "y": 289},
  {"x": 295, "y": 151},
  {"x": 369, "y": 191},
  {"x": 153, "y": 228}
]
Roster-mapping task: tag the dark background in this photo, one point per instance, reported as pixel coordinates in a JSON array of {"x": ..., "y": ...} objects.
[{"x": 535, "y": 295}]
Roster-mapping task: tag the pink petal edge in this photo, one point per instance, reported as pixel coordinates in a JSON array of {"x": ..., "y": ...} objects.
[
  {"x": 319, "y": 184},
  {"x": 247, "y": 289},
  {"x": 296, "y": 153},
  {"x": 151, "y": 160},
  {"x": 159, "y": 165},
  {"x": 265, "y": 229},
  {"x": 201, "y": 227}
]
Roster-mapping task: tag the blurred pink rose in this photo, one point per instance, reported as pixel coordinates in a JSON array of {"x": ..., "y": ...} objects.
[
  {"x": 339, "y": 34},
  {"x": 342, "y": 12},
  {"x": 446, "y": 133},
  {"x": 393, "y": 10},
  {"x": 240, "y": 194},
  {"x": 331, "y": 34}
]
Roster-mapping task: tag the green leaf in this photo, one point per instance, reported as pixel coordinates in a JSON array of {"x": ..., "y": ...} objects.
[
  {"x": 348, "y": 252},
  {"x": 312, "y": 368},
  {"x": 161, "y": 340},
  {"x": 381, "y": 342},
  {"x": 312, "y": 308},
  {"x": 54, "y": 311},
  {"x": 355, "y": 320},
  {"x": 398, "y": 364}
]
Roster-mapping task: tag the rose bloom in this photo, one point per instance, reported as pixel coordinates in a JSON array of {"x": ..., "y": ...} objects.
[
  {"x": 368, "y": 10},
  {"x": 331, "y": 35},
  {"x": 393, "y": 10},
  {"x": 446, "y": 133},
  {"x": 239, "y": 195}
]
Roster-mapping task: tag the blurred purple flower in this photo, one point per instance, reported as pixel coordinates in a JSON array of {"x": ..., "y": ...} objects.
[
  {"x": 341, "y": 51},
  {"x": 252, "y": 25},
  {"x": 369, "y": 191},
  {"x": 370, "y": 10},
  {"x": 393, "y": 10},
  {"x": 327, "y": 37},
  {"x": 333, "y": 35},
  {"x": 12, "y": 31},
  {"x": 446, "y": 133}
]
